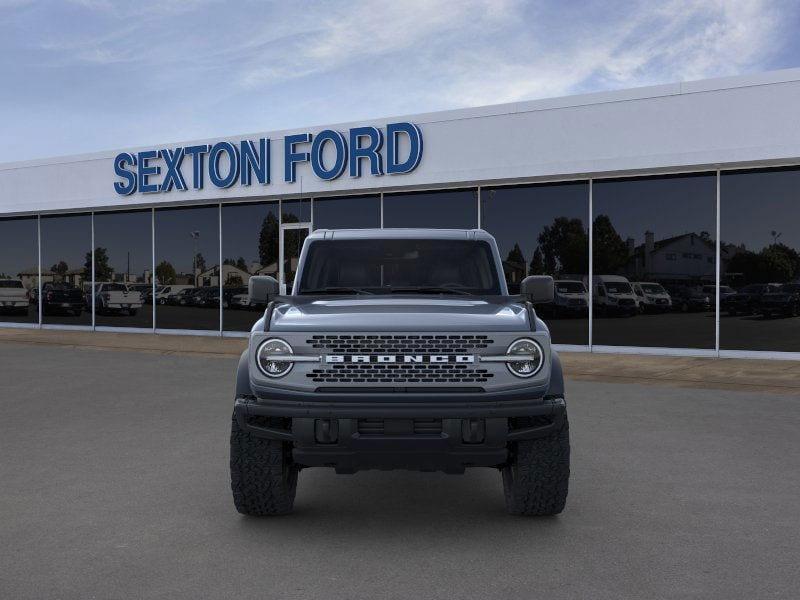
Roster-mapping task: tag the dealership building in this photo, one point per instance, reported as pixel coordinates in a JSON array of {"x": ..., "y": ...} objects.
[{"x": 679, "y": 203}]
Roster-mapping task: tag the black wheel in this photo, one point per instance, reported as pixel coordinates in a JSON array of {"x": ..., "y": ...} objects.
[
  {"x": 536, "y": 478},
  {"x": 263, "y": 476},
  {"x": 132, "y": 312}
]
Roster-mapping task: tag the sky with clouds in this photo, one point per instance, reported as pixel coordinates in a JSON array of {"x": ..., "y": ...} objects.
[{"x": 86, "y": 75}]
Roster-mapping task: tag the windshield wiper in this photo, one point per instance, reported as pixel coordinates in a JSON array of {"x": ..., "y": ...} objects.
[
  {"x": 429, "y": 289},
  {"x": 336, "y": 290}
]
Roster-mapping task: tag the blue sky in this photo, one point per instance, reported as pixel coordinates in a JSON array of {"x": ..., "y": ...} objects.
[{"x": 85, "y": 75}]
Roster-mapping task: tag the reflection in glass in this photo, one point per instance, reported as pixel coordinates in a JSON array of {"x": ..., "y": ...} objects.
[
  {"x": 449, "y": 209},
  {"x": 350, "y": 212},
  {"x": 123, "y": 266},
  {"x": 19, "y": 270},
  {"x": 296, "y": 211},
  {"x": 249, "y": 247},
  {"x": 760, "y": 260},
  {"x": 187, "y": 268},
  {"x": 543, "y": 230},
  {"x": 66, "y": 269},
  {"x": 655, "y": 261}
]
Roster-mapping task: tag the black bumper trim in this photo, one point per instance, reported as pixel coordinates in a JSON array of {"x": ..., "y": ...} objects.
[{"x": 246, "y": 406}]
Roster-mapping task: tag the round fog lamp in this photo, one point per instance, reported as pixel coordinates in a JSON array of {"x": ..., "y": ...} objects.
[
  {"x": 268, "y": 365},
  {"x": 532, "y": 361}
]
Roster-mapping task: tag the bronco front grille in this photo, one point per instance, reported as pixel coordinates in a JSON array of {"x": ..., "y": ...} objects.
[
  {"x": 399, "y": 373},
  {"x": 399, "y": 344}
]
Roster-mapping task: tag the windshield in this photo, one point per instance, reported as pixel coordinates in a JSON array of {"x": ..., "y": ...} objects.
[
  {"x": 112, "y": 287},
  {"x": 653, "y": 288},
  {"x": 570, "y": 287},
  {"x": 618, "y": 288},
  {"x": 386, "y": 266},
  {"x": 10, "y": 283}
]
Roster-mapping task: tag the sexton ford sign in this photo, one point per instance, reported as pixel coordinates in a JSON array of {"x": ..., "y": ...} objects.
[{"x": 226, "y": 163}]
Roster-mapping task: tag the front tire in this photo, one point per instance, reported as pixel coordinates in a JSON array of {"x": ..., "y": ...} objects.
[
  {"x": 536, "y": 478},
  {"x": 263, "y": 476}
]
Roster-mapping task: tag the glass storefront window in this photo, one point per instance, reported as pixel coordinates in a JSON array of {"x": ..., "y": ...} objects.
[
  {"x": 760, "y": 260},
  {"x": 543, "y": 230},
  {"x": 249, "y": 247},
  {"x": 448, "y": 209},
  {"x": 347, "y": 212},
  {"x": 123, "y": 267},
  {"x": 655, "y": 261},
  {"x": 19, "y": 270},
  {"x": 187, "y": 268},
  {"x": 296, "y": 211},
  {"x": 66, "y": 269}
]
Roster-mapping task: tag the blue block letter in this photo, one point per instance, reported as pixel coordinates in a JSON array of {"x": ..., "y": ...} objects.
[
  {"x": 290, "y": 157},
  {"x": 318, "y": 147},
  {"x": 122, "y": 159},
  {"x": 254, "y": 161},
  {"x": 370, "y": 151},
  {"x": 393, "y": 131}
]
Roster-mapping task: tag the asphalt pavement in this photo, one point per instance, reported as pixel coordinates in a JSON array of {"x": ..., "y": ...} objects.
[{"x": 114, "y": 484}]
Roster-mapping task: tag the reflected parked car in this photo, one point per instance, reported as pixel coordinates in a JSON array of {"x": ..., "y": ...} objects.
[
  {"x": 167, "y": 293},
  {"x": 783, "y": 302},
  {"x": 62, "y": 298},
  {"x": 228, "y": 294},
  {"x": 14, "y": 298},
  {"x": 206, "y": 297},
  {"x": 145, "y": 290},
  {"x": 114, "y": 298},
  {"x": 747, "y": 300},
  {"x": 690, "y": 299},
  {"x": 180, "y": 297},
  {"x": 651, "y": 297},
  {"x": 725, "y": 292},
  {"x": 614, "y": 295},
  {"x": 570, "y": 298},
  {"x": 240, "y": 301}
]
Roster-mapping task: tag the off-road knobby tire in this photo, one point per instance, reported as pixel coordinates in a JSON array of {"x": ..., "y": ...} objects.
[
  {"x": 263, "y": 476},
  {"x": 536, "y": 478}
]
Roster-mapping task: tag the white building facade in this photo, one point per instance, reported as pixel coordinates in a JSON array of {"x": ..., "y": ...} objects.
[{"x": 602, "y": 184}]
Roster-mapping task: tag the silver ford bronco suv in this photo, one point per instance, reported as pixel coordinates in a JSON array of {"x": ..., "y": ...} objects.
[{"x": 400, "y": 349}]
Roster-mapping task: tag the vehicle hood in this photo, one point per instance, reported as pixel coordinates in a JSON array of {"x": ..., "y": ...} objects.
[{"x": 399, "y": 313}]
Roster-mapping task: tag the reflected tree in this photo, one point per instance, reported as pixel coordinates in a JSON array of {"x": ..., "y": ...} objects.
[
  {"x": 60, "y": 268},
  {"x": 610, "y": 250},
  {"x": 564, "y": 247},
  {"x": 102, "y": 270},
  {"x": 268, "y": 241},
  {"x": 537, "y": 263},
  {"x": 165, "y": 273}
]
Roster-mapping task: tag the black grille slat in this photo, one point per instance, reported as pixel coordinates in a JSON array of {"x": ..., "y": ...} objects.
[
  {"x": 417, "y": 373},
  {"x": 419, "y": 427}
]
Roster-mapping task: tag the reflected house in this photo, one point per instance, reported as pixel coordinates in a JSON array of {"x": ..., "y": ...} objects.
[
  {"x": 30, "y": 277},
  {"x": 687, "y": 259}
]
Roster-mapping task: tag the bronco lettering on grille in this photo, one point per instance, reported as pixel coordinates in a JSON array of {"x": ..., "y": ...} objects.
[{"x": 400, "y": 358}]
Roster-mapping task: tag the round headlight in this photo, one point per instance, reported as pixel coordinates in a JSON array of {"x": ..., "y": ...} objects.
[
  {"x": 268, "y": 365},
  {"x": 533, "y": 361}
]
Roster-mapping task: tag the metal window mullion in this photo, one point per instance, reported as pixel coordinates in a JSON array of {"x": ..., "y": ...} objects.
[
  {"x": 39, "y": 283},
  {"x": 479, "y": 207},
  {"x": 381, "y": 210},
  {"x": 312, "y": 213},
  {"x": 591, "y": 265},
  {"x": 718, "y": 270},
  {"x": 219, "y": 267},
  {"x": 93, "y": 276},
  {"x": 280, "y": 242},
  {"x": 153, "y": 262}
]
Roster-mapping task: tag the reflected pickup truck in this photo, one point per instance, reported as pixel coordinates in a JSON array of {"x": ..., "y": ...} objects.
[{"x": 400, "y": 349}]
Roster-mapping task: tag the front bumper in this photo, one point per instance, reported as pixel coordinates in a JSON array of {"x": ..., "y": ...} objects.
[{"x": 402, "y": 435}]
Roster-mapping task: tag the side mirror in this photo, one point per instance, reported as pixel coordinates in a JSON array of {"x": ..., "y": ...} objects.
[
  {"x": 537, "y": 289},
  {"x": 262, "y": 289}
]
